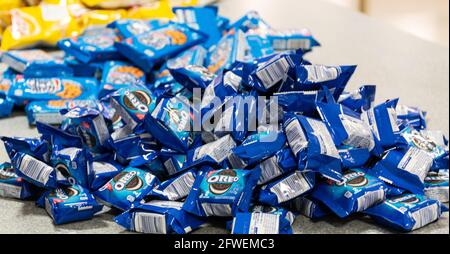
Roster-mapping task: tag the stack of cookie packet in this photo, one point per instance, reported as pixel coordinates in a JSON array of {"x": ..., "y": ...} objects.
[{"x": 178, "y": 122}]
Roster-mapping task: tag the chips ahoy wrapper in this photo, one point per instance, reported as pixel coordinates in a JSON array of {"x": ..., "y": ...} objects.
[
  {"x": 221, "y": 193},
  {"x": 126, "y": 28},
  {"x": 159, "y": 217},
  {"x": 407, "y": 212},
  {"x": 118, "y": 74},
  {"x": 11, "y": 185},
  {"x": 69, "y": 204},
  {"x": 126, "y": 189}
]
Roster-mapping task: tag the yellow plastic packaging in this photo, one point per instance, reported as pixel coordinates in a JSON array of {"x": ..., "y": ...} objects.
[
  {"x": 113, "y": 4},
  {"x": 155, "y": 10},
  {"x": 6, "y": 5},
  {"x": 101, "y": 17},
  {"x": 184, "y": 3}
]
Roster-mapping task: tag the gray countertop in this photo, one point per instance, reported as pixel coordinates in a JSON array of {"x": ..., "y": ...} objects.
[{"x": 400, "y": 64}]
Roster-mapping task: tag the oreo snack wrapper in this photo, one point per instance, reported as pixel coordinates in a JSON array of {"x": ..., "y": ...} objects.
[
  {"x": 406, "y": 169},
  {"x": 286, "y": 188},
  {"x": 49, "y": 111},
  {"x": 172, "y": 160},
  {"x": 150, "y": 162},
  {"x": 221, "y": 193},
  {"x": 259, "y": 46},
  {"x": 6, "y": 105},
  {"x": 353, "y": 157},
  {"x": 159, "y": 217},
  {"x": 383, "y": 121},
  {"x": 101, "y": 171},
  {"x": 117, "y": 74},
  {"x": 151, "y": 48},
  {"x": 92, "y": 47},
  {"x": 279, "y": 164},
  {"x": 126, "y": 28},
  {"x": 133, "y": 146},
  {"x": 359, "y": 100},
  {"x": 223, "y": 24},
  {"x": 292, "y": 39},
  {"x": 303, "y": 102},
  {"x": 347, "y": 128},
  {"x": 232, "y": 47},
  {"x": 412, "y": 115},
  {"x": 436, "y": 185},
  {"x": 171, "y": 122},
  {"x": 192, "y": 76},
  {"x": 212, "y": 154},
  {"x": 69, "y": 204},
  {"x": 314, "y": 77},
  {"x": 58, "y": 137},
  {"x": 80, "y": 69},
  {"x": 263, "y": 220},
  {"x": 126, "y": 189},
  {"x": 202, "y": 19},
  {"x": 407, "y": 212},
  {"x": 133, "y": 104},
  {"x": 36, "y": 63},
  {"x": 72, "y": 163},
  {"x": 89, "y": 124},
  {"x": 357, "y": 192},
  {"x": 34, "y": 171},
  {"x": 308, "y": 207},
  {"x": 11, "y": 185},
  {"x": 312, "y": 144},
  {"x": 176, "y": 188},
  {"x": 36, "y": 147},
  {"x": 25, "y": 90},
  {"x": 256, "y": 148}
]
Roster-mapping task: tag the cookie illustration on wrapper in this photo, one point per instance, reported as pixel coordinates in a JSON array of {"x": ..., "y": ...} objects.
[
  {"x": 128, "y": 180},
  {"x": 354, "y": 179},
  {"x": 408, "y": 199},
  {"x": 137, "y": 100},
  {"x": 64, "y": 193},
  {"x": 220, "y": 183}
]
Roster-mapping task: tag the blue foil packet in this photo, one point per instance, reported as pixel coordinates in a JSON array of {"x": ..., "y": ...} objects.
[
  {"x": 353, "y": 157},
  {"x": 357, "y": 192},
  {"x": 312, "y": 144},
  {"x": 176, "y": 188},
  {"x": 58, "y": 137},
  {"x": 72, "y": 163},
  {"x": 36, "y": 147},
  {"x": 192, "y": 76},
  {"x": 223, "y": 24},
  {"x": 212, "y": 154},
  {"x": 303, "y": 102},
  {"x": 6, "y": 105},
  {"x": 221, "y": 193},
  {"x": 259, "y": 46},
  {"x": 308, "y": 207},
  {"x": 286, "y": 188},
  {"x": 92, "y": 47},
  {"x": 359, "y": 100},
  {"x": 35, "y": 171},
  {"x": 202, "y": 19},
  {"x": 436, "y": 185},
  {"x": 292, "y": 39},
  {"x": 49, "y": 111},
  {"x": 407, "y": 212},
  {"x": 25, "y": 90},
  {"x": 69, "y": 204},
  {"x": 406, "y": 169},
  {"x": 36, "y": 63},
  {"x": 101, "y": 171},
  {"x": 118, "y": 74},
  {"x": 263, "y": 220},
  {"x": 126, "y": 28},
  {"x": 133, "y": 146},
  {"x": 126, "y": 189},
  {"x": 11, "y": 185},
  {"x": 172, "y": 160},
  {"x": 151, "y": 48},
  {"x": 281, "y": 163},
  {"x": 412, "y": 116},
  {"x": 159, "y": 217},
  {"x": 80, "y": 69}
]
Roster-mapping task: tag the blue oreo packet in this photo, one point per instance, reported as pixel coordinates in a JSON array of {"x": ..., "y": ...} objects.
[
  {"x": 256, "y": 148},
  {"x": 309, "y": 207},
  {"x": 93, "y": 46},
  {"x": 159, "y": 217},
  {"x": 132, "y": 146},
  {"x": 36, "y": 63},
  {"x": 172, "y": 160},
  {"x": 357, "y": 192},
  {"x": 119, "y": 74},
  {"x": 353, "y": 157},
  {"x": 126, "y": 28},
  {"x": 192, "y": 76},
  {"x": 303, "y": 102},
  {"x": 404, "y": 168},
  {"x": 212, "y": 154},
  {"x": 359, "y": 100},
  {"x": 6, "y": 105},
  {"x": 69, "y": 204},
  {"x": 35, "y": 171},
  {"x": 36, "y": 147},
  {"x": 263, "y": 220},
  {"x": 222, "y": 192},
  {"x": 281, "y": 163},
  {"x": 437, "y": 185},
  {"x": 286, "y": 188},
  {"x": 127, "y": 188},
  {"x": 11, "y": 185},
  {"x": 175, "y": 188},
  {"x": 412, "y": 116},
  {"x": 407, "y": 212},
  {"x": 312, "y": 144},
  {"x": 72, "y": 163},
  {"x": 101, "y": 170},
  {"x": 80, "y": 69},
  {"x": 153, "y": 47}
]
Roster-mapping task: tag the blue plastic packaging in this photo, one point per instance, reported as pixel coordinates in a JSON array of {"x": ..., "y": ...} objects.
[
  {"x": 176, "y": 188},
  {"x": 12, "y": 186},
  {"x": 118, "y": 74}
]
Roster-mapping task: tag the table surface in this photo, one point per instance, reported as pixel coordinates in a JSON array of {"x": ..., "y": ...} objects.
[{"x": 400, "y": 64}]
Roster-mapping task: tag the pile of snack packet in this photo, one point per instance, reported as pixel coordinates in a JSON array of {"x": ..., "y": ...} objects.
[{"x": 117, "y": 114}]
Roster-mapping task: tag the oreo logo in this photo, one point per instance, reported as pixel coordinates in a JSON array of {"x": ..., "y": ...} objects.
[
  {"x": 128, "y": 180},
  {"x": 7, "y": 173},
  {"x": 406, "y": 199},
  {"x": 65, "y": 193},
  {"x": 220, "y": 182},
  {"x": 137, "y": 100},
  {"x": 354, "y": 179}
]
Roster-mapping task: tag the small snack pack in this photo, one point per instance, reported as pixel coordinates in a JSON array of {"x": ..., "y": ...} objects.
[
  {"x": 126, "y": 28},
  {"x": 117, "y": 74},
  {"x": 176, "y": 188},
  {"x": 159, "y": 217},
  {"x": 172, "y": 160},
  {"x": 36, "y": 63},
  {"x": 192, "y": 76},
  {"x": 72, "y": 164},
  {"x": 413, "y": 116},
  {"x": 126, "y": 189},
  {"x": 309, "y": 207},
  {"x": 35, "y": 147},
  {"x": 436, "y": 185},
  {"x": 11, "y": 185},
  {"x": 69, "y": 204},
  {"x": 221, "y": 193},
  {"x": 35, "y": 171},
  {"x": 279, "y": 164},
  {"x": 407, "y": 212},
  {"x": 263, "y": 220},
  {"x": 101, "y": 171},
  {"x": 357, "y": 192},
  {"x": 359, "y": 100},
  {"x": 213, "y": 153}
]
